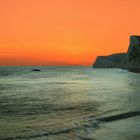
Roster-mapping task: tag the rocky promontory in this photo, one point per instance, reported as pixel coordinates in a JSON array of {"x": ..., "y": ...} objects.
[
  {"x": 111, "y": 61},
  {"x": 129, "y": 60}
]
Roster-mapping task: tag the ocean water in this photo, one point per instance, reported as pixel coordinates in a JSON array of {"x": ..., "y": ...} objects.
[{"x": 69, "y": 103}]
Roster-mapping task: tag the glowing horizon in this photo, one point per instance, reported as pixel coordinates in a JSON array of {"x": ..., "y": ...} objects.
[{"x": 62, "y": 32}]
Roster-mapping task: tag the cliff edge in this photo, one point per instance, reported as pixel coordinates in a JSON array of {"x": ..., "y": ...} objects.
[
  {"x": 111, "y": 61},
  {"x": 129, "y": 60},
  {"x": 134, "y": 52}
]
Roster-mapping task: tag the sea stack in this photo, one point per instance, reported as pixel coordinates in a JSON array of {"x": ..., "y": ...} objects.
[{"x": 129, "y": 60}]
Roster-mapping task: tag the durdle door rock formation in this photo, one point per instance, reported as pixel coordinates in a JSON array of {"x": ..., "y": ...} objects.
[{"x": 129, "y": 60}]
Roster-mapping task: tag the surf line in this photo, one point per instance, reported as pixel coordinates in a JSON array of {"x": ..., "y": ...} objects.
[
  {"x": 119, "y": 116},
  {"x": 102, "y": 119}
]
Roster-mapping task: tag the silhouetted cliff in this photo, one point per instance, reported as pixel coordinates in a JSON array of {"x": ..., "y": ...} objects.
[
  {"x": 129, "y": 60},
  {"x": 134, "y": 52},
  {"x": 111, "y": 61}
]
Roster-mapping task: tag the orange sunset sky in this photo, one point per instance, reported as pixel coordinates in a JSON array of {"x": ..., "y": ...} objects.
[{"x": 65, "y": 32}]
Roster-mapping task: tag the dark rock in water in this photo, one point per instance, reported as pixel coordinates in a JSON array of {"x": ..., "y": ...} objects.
[
  {"x": 111, "y": 61},
  {"x": 36, "y": 70},
  {"x": 129, "y": 60},
  {"x": 136, "y": 70}
]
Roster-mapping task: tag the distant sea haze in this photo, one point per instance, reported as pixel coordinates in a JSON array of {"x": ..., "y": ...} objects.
[{"x": 69, "y": 103}]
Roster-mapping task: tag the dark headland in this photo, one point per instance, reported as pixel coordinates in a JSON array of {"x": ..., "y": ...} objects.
[{"x": 129, "y": 60}]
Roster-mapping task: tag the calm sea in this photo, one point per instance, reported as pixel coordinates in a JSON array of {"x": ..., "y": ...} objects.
[{"x": 67, "y": 103}]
